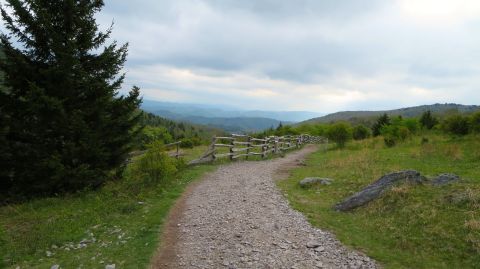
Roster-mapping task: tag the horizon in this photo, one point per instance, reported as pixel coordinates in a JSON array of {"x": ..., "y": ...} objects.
[
  {"x": 303, "y": 56},
  {"x": 221, "y": 107}
]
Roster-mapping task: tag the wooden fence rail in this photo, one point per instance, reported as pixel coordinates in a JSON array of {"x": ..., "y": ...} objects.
[
  {"x": 176, "y": 154},
  {"x": 238, "y": 146}
]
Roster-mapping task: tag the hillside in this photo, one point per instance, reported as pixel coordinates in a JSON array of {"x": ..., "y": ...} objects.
[
  {"x": 158, "y": 128},
  {"x": 239, "y": 124},
  {"x": 227, "y": 118},
  {"x": 221, "y": 111},
  {"x": 366, "y": 116}
]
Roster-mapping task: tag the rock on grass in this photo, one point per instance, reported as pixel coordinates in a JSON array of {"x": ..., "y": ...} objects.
[
  {"x": 377, "y": 188},
  {"x": 310, "y": 181},
  {"x": 444, "y": 179}
]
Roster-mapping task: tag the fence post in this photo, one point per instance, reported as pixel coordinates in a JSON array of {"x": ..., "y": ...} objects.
[
  {"x": 249, "y": 141},
  {"x": 232, "y": 142},
  {"x": 176, "y": 155},
  {"x": 214, "y": 140}
]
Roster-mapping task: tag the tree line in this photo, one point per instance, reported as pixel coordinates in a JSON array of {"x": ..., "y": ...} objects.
[{"x": 393, "y": 129}]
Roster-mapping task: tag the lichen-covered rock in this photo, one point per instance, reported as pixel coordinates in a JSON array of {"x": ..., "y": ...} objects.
[
  {"x": 444, "y": 179},
  {"x": 377, "y": 188},
  {"x": 309, "y": 181}
]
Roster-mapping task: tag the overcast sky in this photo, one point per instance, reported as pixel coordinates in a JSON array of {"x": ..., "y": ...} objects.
[{"x": 313, "y": 55}]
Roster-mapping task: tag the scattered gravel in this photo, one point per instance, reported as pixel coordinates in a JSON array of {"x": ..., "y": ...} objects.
[{"x": 237, "y": 218}]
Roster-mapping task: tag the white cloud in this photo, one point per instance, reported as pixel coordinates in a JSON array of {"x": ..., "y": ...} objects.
[
  {"x": 441, "y": 11},
  {"x": 317, "y": 55}
]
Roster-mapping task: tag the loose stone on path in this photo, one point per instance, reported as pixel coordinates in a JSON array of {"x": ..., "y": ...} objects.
[{"x": 237, "y": 218}]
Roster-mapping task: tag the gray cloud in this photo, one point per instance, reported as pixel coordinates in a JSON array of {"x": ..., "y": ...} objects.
[{"x": 305, "y": 54}]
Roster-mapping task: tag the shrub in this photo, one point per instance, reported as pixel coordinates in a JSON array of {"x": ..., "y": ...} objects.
[
  {"x": 397, "y": 130},
  {"x": 403, "y": 133},
  {"x": 155, "y": 166},
  {"x": 360, "y": 132},
  {"x": 475, "y": 122},
  {"x": 186, "y": 143},
  {"x": 389, "y": 141},
  {"x": 412, "y": 125},
  {"x": 197, "y": 141},
  {"x": 150, "y": 134},
  {"x": 340, "y": 133},
  {"x": 457, "y": 125}
]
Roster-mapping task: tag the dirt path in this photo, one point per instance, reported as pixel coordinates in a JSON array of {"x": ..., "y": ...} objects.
[{"x": 237, "y": 218}]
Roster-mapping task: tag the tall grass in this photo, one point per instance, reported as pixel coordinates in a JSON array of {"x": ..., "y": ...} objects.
[
  {"x": 118, "y": 224},
  {"x": 410, "y": 226}
]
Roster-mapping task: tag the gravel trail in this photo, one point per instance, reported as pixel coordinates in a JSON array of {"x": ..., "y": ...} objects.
[{"x": 237, "y": 218}]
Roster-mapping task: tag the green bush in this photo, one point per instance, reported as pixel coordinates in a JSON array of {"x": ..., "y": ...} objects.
[
  {"x": 361, "y": 132},
  {"x": 397, "y": 130},
  {"x": 339, "y": 133},
  {"x": 412, "y": 124},
  {"x": 403, "y": 133},
  {"x": 475, "y": 122},
  {"x": 457, "y": 125},
  {"x": 389, "y": 140},
  {"x": 187, "y": 143},
  {"x": 150, "y": 134},
  {"x": 155, "y": 166},
  {"x": 197, "y": 141}
]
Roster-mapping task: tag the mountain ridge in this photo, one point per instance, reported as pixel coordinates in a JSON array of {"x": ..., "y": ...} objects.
[
  {"x": 219, "y": 111},
  {"x": 414, "y": 111}
]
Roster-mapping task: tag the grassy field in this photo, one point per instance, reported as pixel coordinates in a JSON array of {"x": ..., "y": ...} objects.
[
  {"x": 410, "y": 226},
  {"x": 118, "y": 224}
]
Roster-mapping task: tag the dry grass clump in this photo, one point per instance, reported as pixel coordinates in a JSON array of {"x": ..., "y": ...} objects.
[
  {"x": 401, "y": 190},
  {"x": 454, "y": 152},
  {"x": 472, "y": 225}
]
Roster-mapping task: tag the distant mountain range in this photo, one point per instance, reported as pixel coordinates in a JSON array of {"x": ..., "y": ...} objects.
[
  {"x": 232, "y": 120},
  {"x": 416, "y": 111}
]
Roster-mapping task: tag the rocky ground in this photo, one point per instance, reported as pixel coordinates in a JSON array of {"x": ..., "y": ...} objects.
[{"x": 237, "y": 218}]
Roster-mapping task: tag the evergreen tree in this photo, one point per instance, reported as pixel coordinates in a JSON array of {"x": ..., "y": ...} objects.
[
  {"x": 280, "y": 126},
  {"x": 64, "y": 126},
  {"x": 427, "y": 120},
  {"x": 381, "y": 121}
]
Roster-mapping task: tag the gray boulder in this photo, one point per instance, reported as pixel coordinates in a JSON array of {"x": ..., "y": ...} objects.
[
  {"x": 444, "y": 179},
  {"x": 309, "y": 181},
  {"x": 313, "y": 244},
  {"x": 377, "y": 188}
]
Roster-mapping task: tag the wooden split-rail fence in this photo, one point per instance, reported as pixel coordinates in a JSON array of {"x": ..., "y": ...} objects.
[
  {"x": 176, "y": 153},
  {"x": 243, "y": 146}
]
